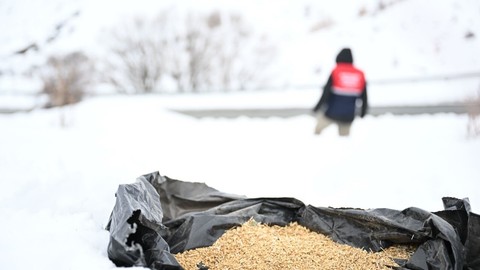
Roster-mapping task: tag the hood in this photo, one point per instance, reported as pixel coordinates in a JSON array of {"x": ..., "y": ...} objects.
[{"x": 345, "y": 56}]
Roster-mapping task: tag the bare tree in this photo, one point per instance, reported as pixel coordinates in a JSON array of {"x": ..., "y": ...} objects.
[
  {"x": 175, "y": 60},
  {"x": 193, "y": 52},
  {"x": 200, "y": 52},
  {"x": 230, "y": 50},
  {"x": 136, "y": 64}
]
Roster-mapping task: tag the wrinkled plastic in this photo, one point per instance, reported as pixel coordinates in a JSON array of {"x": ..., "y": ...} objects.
[
  {"x": 135, "y": 228},
  {"x": 158, "y": 216}
]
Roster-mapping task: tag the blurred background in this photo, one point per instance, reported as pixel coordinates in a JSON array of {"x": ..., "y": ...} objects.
[
  {"x": 225, "y": 89},
  {"x": 411, "y": 51}
]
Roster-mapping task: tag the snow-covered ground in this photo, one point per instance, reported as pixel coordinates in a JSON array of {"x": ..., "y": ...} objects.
[{"x": 58, "y": 183}]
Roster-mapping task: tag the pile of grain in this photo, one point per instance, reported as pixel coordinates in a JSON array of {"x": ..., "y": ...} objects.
[{"x": 257, "y": 246}]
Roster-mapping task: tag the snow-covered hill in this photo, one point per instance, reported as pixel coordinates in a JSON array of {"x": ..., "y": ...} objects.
[{"x": 391, "y": 39}]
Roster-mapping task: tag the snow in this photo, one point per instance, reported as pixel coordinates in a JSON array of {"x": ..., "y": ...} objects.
[
  {"x": 59, "y": 182},
  {"x": 406, "y": 39}
]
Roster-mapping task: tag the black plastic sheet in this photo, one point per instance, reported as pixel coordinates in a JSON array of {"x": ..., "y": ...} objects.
[
  {"x": 158, "y": 216},
  {"x": 135, "y": 226}
]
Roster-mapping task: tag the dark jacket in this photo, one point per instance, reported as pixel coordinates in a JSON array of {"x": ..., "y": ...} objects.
[{"x": 344, "y": 87}]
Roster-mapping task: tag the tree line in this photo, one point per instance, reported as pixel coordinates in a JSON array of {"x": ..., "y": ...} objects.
[{"x": 169, "y": 53}]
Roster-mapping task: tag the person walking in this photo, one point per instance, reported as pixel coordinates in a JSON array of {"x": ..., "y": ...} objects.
[{"x": 338, "y": 102}]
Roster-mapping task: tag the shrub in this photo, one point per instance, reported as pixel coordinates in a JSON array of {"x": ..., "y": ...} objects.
[{"x": 66, "y": 77}]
